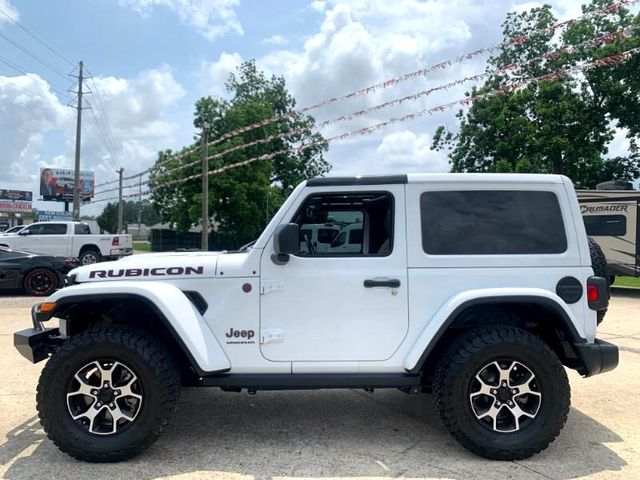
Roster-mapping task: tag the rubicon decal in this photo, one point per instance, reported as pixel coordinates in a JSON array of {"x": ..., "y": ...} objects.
[{"x": 147, "y": 272}]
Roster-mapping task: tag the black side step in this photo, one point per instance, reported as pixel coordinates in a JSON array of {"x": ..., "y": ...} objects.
[{"x": 301, "y": 381}]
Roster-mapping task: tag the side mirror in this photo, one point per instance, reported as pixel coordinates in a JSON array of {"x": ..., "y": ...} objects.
[
  {"x": 286, "y": 241},
  {"x": 24, "y": 232}
]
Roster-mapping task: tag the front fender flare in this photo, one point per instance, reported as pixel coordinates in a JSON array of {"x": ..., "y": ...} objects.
[
  {"x": 447, "y": 313},
  {"x": 180, "y": 316}
]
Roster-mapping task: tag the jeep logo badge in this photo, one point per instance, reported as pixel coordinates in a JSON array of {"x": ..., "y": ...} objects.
[{"x": 240, "y": 336}]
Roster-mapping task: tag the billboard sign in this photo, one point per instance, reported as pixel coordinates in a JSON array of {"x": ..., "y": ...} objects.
[
  {"x": 57, "y": 184},
  {"x": 15, "y": 201},
  {"x": 51, "y": 216}
]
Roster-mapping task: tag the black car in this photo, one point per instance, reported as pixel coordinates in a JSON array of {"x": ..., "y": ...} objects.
[{"x": 35, "y": 273}]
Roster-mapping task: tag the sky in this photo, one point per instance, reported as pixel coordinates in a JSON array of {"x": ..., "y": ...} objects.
[{"x": 150, "y": 60}]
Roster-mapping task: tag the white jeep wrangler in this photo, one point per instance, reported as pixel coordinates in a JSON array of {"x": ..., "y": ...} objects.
[{"x": 477, "y": 287}]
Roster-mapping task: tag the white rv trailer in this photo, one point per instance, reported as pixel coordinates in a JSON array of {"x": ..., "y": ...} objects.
[{"x": 611, "y": 218}]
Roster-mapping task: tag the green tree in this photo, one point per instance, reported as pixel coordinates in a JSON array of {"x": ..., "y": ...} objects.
[
  {"x": 563, "y": 125},
  {"x": 108, "y": 219},
  {"x": 242, "y": 200}
]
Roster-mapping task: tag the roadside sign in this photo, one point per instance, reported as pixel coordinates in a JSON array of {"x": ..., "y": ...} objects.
[
  {"x": 56, "y": 184},
  {"x": 13, "y": 201},
  {"x": 51, "y": 216}
]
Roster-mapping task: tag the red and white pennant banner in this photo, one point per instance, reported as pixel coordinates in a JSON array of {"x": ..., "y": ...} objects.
[
  {"x": 614, "y": 7},
  {"x": 606, "y": 61},
  {"x": 602, "y": 40}
]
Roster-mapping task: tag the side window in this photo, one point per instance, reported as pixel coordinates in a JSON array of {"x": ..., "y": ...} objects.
[
  {"x": 346, "y": 224},
  {"x": 53, "y": 229},
  {"x": 82, "y": 229},
  {"x": 605, "y": 225},
  {"x": 33, "y": 230},
  {"x": 486, "y": 222}
]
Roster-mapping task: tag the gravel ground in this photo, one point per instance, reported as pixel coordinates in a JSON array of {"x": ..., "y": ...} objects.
[{"x": 333, "y": 434}]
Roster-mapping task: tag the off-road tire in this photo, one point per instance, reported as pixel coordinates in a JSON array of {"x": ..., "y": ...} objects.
[
  {"x": 89, "y": 256},
  {"x": 155, "y": 369},
  {"x": 40, "y": 282},
  {"x": 457, "y": 369},
  {"x": 600, "y": 269}
]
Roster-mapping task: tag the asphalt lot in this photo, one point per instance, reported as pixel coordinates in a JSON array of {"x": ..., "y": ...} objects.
[{"x": 333, "y": 434}]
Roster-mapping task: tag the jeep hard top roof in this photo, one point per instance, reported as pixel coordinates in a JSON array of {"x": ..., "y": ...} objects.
[{"x": 435, "y": 177}]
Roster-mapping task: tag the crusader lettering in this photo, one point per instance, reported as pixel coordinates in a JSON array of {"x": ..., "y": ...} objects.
[
  {"x": 147, "y": 272},
  {"x": 603, "y": 208}
]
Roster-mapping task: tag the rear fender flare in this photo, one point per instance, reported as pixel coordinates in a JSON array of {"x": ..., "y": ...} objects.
[
  {"x": 446, "y": 315},
  {"x": 178, "y": 313}
]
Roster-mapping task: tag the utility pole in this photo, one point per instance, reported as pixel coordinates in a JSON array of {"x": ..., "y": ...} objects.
[
  {"x": 76, "y": 175},
  {"x": 139, "y": 209},
  {"x": 205, "y": 188},
  {"x": 120, "y": 199}
]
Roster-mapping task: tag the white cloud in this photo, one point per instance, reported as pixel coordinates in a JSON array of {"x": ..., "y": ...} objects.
[
  {"x": 318, "y": 5},
  {"x": 10, "y": 10},
  {"x": 406, "y": 151},
  {"x": 210, "y": 18},
  {"x": 275, "y": 40},
  {"x": 33, "y": 121},
  {"x": 29, "y": 110},
  {"x": 215, "y": 73}
]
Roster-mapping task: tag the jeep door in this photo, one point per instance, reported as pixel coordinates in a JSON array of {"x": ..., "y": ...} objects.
[{"x": 339, "y": 306}]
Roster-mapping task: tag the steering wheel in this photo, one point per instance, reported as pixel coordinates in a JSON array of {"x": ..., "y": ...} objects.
[{"x": 307, "y": 241}]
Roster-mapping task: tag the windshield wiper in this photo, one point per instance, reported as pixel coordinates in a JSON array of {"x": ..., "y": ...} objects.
[{"x": 246, "y": 247}]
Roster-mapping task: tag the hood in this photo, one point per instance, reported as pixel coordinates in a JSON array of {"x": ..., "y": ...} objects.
[{"x": 151, "y": 266}]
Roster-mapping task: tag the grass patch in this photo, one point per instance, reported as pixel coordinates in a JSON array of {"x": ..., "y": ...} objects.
[
  {"x": 627, "y": 282},
  {"x": 142, "y": 246}
]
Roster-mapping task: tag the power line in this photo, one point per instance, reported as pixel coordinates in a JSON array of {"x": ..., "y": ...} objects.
[
  {"x": 22, "y": 71},
  {"x": 105, "y": 141},
  {"x": 103, "y": 112},
  {"x": 33, "y": 35},
  {"x": 34, "y": 56}
]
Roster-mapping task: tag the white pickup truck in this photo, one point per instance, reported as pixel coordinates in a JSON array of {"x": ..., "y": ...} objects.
[{"x": 71, "y": 239}]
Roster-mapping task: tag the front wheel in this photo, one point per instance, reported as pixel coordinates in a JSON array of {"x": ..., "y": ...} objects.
[
  {"x": 107, "y": 394},
  {"x": 502, "y": 393}
]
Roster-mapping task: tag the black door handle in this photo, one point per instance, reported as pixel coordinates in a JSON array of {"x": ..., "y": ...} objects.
[{"x": 387, "y": 282}]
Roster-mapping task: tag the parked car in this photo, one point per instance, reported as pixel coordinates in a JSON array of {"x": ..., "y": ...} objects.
[
  {"x": 34, "y": 273},
  {"x": 69, "y": 239},
  {"x": 13, "y": 230}
]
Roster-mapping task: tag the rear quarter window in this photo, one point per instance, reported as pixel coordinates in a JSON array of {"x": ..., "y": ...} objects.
[{"x": 491, "y": 222}]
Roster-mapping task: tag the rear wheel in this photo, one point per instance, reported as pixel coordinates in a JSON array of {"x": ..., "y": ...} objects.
[
  {"x": 502, "y": 393},
  {"x": 107, "y": 394},
  {"x": 89, "y": 257},
  {"x": 40, "y": 282}
]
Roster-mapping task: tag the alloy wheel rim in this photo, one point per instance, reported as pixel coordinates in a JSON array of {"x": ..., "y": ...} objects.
[
  {"x": 41, "y": 282},
  {"x": 89, "y": 259},
  {"x": 505, "y": 396},
  {"x": 104, "y": 397}
]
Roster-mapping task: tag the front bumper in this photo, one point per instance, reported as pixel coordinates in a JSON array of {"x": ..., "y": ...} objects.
[
  {"x": 597, "y": 357},
  {"x": 36, "y": 345}
]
